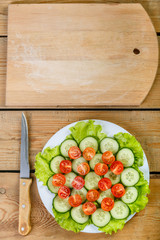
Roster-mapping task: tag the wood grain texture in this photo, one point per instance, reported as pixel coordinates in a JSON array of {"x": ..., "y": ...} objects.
[
  {"x": 73, "y": 55},
  {"x": 144, "y": 125},
  {"x": 144, "y": 225},
  {"x": 24, "y": 226},
  {"x": 152, "y": 7}
]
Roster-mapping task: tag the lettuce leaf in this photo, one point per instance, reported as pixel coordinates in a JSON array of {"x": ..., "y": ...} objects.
[
  {"x": 66, "y": 222},
  {"x": 85, "y": 129},
  {"x": 113, "y": 226},
  {"x": 129, "y": 141}
]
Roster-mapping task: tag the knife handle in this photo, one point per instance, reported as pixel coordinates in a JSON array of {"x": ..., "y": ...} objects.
[{"x": 24, "y": 206}]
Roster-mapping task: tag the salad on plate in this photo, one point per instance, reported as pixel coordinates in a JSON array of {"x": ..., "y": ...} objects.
[{"x": 95, "y": 179}]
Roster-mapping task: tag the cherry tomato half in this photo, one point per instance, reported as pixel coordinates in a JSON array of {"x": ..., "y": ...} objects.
[
  {"x": 92, "y": 195},
  {"x": 83, "y": 168},
  {"x": 117, "y": 167},
  {"x": 58, "y": 180},
  {"x": 101, "y": 169},
  {"x": 89, "y": 153},
  {"x": 108, "y": 157},
  {"x": 74, "y": 152},
  {"x": 65, "y": 166},
  {"x": 78, "y": 183},
  {"x": 89, "y": 208},
  {"x": 75, "y": 200},
  {"x": 107, "y": 204},
  {"x": 104, "y": 184},
  {"x": 118, "y": 190},
  {"x": 64, "y": 192}
]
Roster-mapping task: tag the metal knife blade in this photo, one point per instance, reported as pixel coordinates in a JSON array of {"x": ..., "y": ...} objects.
[{"x": 24, "y": 165}]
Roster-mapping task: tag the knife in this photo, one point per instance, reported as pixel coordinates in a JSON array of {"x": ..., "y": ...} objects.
[{"x": 25, "y": 182}]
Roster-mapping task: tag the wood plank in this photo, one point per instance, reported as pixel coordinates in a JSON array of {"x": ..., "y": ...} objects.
[
  {"x": 144, "y": 125},
  {"x": 58, "y": 49},
  {"x": 151, "y": 6},
  {"x": 144, "y": 225},
  {"x": 3, "y": 56}
]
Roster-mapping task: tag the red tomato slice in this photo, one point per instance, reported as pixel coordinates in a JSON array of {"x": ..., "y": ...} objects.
[
  {"x": 101, "y": 169},
  {"x": 89, "y": 208},
  {"x": 117, "y": 167},
  {"x": 65, "y": 166},
  {"x": 58, "y": 180},
  {"x": 104, "y": 184},
  {"x": 118, "y": 190},
  {"x": 83, "y": 168},
  {"x": 64, "y": 192},
  {"x": 108, "y": 157},
  {"x": 78, "y": 183},
  {"x": 74, "y": 152},
  {"x": 107, "y": 204},
  {"x": 75, "y": 200},
  {"x": 89, "y": 153},
  {"x": 92, "y": 195}
]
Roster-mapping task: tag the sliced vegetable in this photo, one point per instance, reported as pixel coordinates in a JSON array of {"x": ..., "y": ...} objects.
[
  {"x": 126, "y": 156},
  {"x": 66, "y": 166},
  {"x": 82, "y": 192},
  {"x": 92, "y": 195},
  {"x": 75, "y": 200},
  {"x": 89, "y": 208},
  {"x": 78, "y": 215},
  {"x": 89, "y": 153},
  {"x": 107, "y": 204},
  {"x": 130, "y": 177},
  {"x": 78, "y": 183},
  {"x": 55, "y": 164},
  {"x": 113, "y": 177},
  {"x": 77, "y": 162},
  {"x": 109, "y": 144},
  {"x": 61, "y": 205},
  {"x": 130, "y": 195},
  {"x": 58, "y": 180},
  {"x": 64, "y": 192},
  {"x": 50, "y": 186},
  {"x": 65, "y": 146},
  {"x": 91, "y": 180},
  {"x": 69, "y": 179},
  {"x": 108, "y": 157},
  {"x": 83, "y": 168},
  {"x": 118, "y": 190},
  {"x": 96, "y": 159},
  {"x": 101, "y": 218},
  {"x": 117, "y": 167},
  {"x": 101, "y": 169},
  {"x": 89, "y": 142},
  {"x": 74, "y": 152},
  {"x": 104, "y": 184},
  {"x": 104, "y": 194},
  {"x": 120, "y": 210}
]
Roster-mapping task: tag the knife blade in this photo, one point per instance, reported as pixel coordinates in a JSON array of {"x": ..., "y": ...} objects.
[{"x": 25, "y": 182}]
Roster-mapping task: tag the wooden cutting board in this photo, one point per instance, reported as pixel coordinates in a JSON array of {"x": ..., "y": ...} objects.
[{"x": 79, "y": 55}]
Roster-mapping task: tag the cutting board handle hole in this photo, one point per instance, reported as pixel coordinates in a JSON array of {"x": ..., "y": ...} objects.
[{"x": 136, "y": 51}]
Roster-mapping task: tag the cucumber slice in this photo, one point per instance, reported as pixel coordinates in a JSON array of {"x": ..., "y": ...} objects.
[
  {"x": 91, "y": 180},
  {"x": 100, "y": 218},
  {"x": 78, "y": 215},
  {"x": 50, "y": 186},
  {"x": 88, "y": 142},
  {"x": 105, "y": 194},
  {"x": 120, "y": 210},
  {"x": 130, "y": 195},
  {"x": 82, "y": 192},
  {"x": 54, "y": 164},
  {"x": 65, "y": 146},
  {"x": 69, "y": 179},
  {"x": 129, "y": 177},
  {"x": 113, "y": 177},
  {"x": 61, "y": 205},
  {"x": 76, "y": 163},
  {"x": 126, "y": 156},
  {"x": 96, "y": 159},
  {"x": 109, "y": 144}
]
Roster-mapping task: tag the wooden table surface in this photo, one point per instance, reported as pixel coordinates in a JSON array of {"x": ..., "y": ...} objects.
[{"x": 143, "y": 122}]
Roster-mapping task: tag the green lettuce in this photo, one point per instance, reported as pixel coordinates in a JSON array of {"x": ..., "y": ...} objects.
[
  {"x": 66, "y": 222},
  {"x": 129, "y": 141},
  {"x": 113, "y": 226},
  {"x": 85, "y": 129}
]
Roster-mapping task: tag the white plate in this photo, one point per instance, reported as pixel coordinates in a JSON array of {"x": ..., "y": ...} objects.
[{"x": 107, "y": 127}]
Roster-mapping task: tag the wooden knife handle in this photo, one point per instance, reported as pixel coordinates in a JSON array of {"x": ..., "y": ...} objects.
[{"x": 24, "y": 206}]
